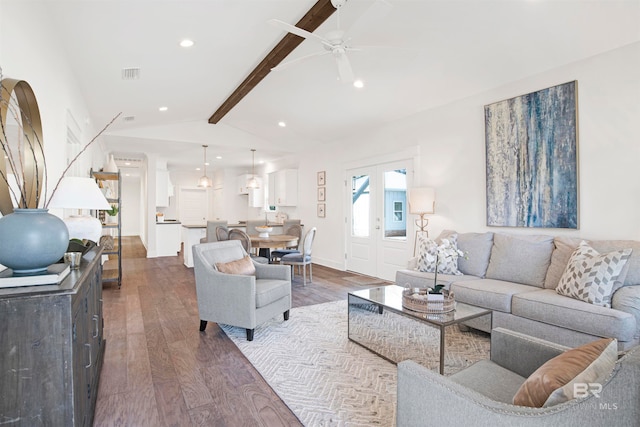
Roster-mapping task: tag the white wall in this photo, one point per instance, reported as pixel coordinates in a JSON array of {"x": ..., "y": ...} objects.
[
  {"x": 450, "y": 140},
  {"x": 131, "y": 205},
  {"x": 29, "y": 52}
]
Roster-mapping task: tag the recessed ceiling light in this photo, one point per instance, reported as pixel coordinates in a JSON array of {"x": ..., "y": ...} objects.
[
  {"x": 206, "y": 163},
  {"x": 359, "y": 84},
  {"x": 219, "y": 157},
  {"x": 186, "y": 43},
  {"x": 282, "y": 124},
  {"x": 127, "y": 163},
  {"x": 197, "y": 169},
  {"x": 163, "y": 108}
]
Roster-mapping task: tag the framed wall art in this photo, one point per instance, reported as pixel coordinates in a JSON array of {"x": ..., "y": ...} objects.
[
  {"x": 321, "y": 177},
  {"x": 531, "y": 159},
  {"x": 321, "y": 194},
  {"x": 321, "y": 210}
]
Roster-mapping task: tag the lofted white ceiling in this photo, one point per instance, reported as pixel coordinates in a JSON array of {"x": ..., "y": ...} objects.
[{"x": 429, "y": 53}]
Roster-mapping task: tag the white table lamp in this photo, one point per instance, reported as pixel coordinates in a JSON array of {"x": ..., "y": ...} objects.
[
  {"x": 80, "y": 193},
  {"x": 422, "y": 201}
]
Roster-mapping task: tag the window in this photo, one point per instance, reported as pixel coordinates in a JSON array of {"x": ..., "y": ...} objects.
[{"x": 398, "y": 210}]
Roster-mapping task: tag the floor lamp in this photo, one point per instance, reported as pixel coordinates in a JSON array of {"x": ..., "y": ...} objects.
[{"x": 422, "y": 201}]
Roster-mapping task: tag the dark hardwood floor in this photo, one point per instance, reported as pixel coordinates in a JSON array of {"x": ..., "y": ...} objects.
[{"x": 159, "y": 370}]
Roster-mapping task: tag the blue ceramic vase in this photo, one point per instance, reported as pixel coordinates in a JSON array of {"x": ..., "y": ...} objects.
[{"x": 31, "y": 240}]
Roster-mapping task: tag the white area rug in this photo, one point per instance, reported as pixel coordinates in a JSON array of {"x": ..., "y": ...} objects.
[{"x": 327, "y": 380}]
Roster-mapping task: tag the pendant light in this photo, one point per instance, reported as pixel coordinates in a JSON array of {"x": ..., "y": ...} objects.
[
  {"x": 253, "y": 182},
  {"x": 205, "y": 181}
]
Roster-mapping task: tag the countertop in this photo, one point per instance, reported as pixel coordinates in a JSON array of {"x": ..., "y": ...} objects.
[
  {"x": 228, "y": 225},
  {"x": 169, "y": 222}
]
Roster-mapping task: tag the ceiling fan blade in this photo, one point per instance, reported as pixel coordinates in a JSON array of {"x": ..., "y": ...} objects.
[
  {"x": 284, "y": 65},
  {"x": 344, "y": 68},
  {"x": 299, "y": 31}
]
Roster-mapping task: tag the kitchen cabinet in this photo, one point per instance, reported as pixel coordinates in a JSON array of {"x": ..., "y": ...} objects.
[
  {"x": 168, "y": 238},
  {"x": 53, "y": 347},
  {"x": 164, "y": 189},
  {"x": 283, "y": 188}
]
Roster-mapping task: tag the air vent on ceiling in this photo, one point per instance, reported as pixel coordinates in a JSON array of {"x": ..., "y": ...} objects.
[
  {"x": 128, "y": 118},
  {"x": 130, "y": 73}
]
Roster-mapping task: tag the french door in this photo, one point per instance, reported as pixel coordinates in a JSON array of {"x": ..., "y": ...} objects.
[{"x": 377, "y": 219}]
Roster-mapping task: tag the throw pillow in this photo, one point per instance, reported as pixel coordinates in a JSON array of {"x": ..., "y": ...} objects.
[
  {"x": 564, "y": 247},
  {"x": 242, "y": 266},
  {"x": 553, "y": 382},
  {"x": 520, "y": 259},
  {"x": 591, "y": 276},
  {"x": 446, "y": 253}
]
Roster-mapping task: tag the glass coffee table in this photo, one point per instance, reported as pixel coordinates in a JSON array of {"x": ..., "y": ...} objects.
[{"x": 367, "y": 306}]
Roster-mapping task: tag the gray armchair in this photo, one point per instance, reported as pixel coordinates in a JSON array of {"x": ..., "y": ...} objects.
[
  {"x": 238, "y": 300},
  {"x": 481, "y": 394}
]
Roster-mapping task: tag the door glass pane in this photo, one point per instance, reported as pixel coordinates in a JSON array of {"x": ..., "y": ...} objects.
[
  {"x": 395, "y": 204},
  {"x": 360, "y": 206}
]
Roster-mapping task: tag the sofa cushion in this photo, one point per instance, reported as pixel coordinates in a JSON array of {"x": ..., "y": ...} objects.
[
  {"x": 548, "y": 307},
  {"x": 563, "y": 248},
  {"x": 477, "y": 250},
  {"x": 490, "y": 380},
  {"x": 590, "y": 276},
  {"x": 489, "y": 293},
  {"x": 631, "y": 274},
  {"x": 242, "y": 266},
  {"x": 553, "y": 382},
  {"x": 419, "y": 279},
  {"x": 443, "y": 252},
  {"x": 271, "y": 290},
  {"x": 520, "y": 259}
]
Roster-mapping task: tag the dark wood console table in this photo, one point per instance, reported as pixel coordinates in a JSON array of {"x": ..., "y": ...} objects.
[{"x": 51, "y": 349}]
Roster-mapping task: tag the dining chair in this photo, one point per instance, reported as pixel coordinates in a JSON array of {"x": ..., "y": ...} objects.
[
  {"x": 252, "y": 224},
  {"x": 245, "y": 240},
  {"x": 289, "y": 222},
  {"x": 292, "y": 230},
  {"x": 303, "y": 257},
  {"x": 211, "y": 231},
  {"x": 222, "y": 233}
]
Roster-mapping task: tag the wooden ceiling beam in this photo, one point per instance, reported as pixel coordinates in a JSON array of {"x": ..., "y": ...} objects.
[{"x": 318, "y": 13}]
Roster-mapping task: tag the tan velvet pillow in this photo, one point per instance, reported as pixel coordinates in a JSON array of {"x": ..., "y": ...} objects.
[
  {"x": 552, "y": 383},
  {"x": 240, "y": 266}
]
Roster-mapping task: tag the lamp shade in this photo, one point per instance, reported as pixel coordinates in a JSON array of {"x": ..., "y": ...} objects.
[
  {"x": 78, "y": 193},
  {"x": 422, "y": 200}
]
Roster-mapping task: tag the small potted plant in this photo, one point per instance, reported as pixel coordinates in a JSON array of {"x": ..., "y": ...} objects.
[{"x": 113, "y": 214}]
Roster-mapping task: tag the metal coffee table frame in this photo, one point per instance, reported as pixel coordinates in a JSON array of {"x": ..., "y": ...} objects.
[{"x": 390, "y": 298}]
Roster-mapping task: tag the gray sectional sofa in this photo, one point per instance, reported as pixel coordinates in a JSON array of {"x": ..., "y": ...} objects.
[{"x": 516, "y": 276}]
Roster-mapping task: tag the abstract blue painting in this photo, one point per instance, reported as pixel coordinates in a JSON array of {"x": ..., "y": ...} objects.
[{"x": 532, "y": 170}]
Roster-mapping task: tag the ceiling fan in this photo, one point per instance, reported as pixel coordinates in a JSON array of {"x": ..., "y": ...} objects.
[{"x": 334, "y": 43}]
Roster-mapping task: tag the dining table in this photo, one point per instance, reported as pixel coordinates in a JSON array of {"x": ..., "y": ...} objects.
[{"x": 273, "y": 241}]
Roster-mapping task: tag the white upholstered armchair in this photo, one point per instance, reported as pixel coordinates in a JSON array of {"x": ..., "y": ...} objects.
[{"x": 244, "y": 300}]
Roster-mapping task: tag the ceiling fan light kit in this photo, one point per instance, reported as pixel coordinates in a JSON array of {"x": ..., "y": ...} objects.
[{"x": 334, "y": 43}]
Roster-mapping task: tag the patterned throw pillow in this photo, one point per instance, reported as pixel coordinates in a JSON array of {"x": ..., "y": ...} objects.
[
  {"x": 590, "y": 276},
  {"x": 446, "y": 253}
]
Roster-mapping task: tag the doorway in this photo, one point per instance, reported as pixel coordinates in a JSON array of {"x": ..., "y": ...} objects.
[{"x": 377, "y": 219}]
